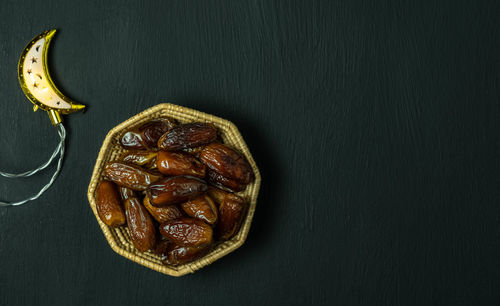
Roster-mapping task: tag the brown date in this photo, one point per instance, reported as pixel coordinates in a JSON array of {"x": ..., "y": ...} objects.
[
  {"x": 126, "y": 193},
  {"x": 227, "y": 162},
  {"x": 108, "y": 204},
  {"x": 177, "y": 255},
  {"x": 175, "y": 189},
  {"x": 231, "y": 213},
  {"x": 140, "y": 225},
  {"x": 216, "y": 194},
  {"x": 219, "y": 181},
  {"x": 162, "y": 214},
  {"x": 201, "y": 207},
  {"x": 189, "y": 135},
  {"x": 176, "y": 163},
  {"x": 193, "y": 151},
  {"x": 187, "y": 232},
  {"x": 130, "y": 176},
  {"x": 147, "y": 135},
  {"x": 140, "y": 158},
  {"x": 161, "y": 247}
]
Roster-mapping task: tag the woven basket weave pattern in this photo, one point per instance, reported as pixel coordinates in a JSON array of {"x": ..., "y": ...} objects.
[{"x": 119, "y": 239}]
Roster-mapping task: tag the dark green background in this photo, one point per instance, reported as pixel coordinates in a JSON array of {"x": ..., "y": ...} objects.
[{"x": 375, "y": 125}]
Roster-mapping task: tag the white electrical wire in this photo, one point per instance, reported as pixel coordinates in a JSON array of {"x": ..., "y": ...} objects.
[{"x": 59, "y": 150}]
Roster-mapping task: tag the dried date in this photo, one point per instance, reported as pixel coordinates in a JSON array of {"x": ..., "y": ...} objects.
[
  {"x": 231, "y": 213},
  {"x": 147, "y": 135},
  {"x": 140, "y": 158},
  {"x": 126, "y": 193},
  {"x": 227, "y": 162},
  {"x": 140, "y": 225},
  {"x": 176, "y": 189},
  {"x": 219, "y": 181},
  {"x": 187, "y": 232},
  {"x": 176, "y": 163},
  {"x": 193, "y": 151},
  {"x": 108, "y": 204},
  {"x": 130, "y": 176},
  {"x": 178, "y": 255},
  {"x": 216, "y": 194},
  {"x": 189, "y": 135},
  {"x": 162, "y": 246},
  {"x": 162, "y": 214},
  {"x": 201, "y": 207}
]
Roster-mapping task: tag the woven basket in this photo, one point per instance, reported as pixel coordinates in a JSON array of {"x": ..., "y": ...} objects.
[{"x": 119, "y": 239}]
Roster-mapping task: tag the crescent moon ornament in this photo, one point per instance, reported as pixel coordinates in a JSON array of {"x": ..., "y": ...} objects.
[
  {"x": 36, "y": 82},
  {"x": 37, "y": 85}
]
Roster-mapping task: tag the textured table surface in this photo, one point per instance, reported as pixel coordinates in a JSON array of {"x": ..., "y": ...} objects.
[{"x": 375, "y": 126}]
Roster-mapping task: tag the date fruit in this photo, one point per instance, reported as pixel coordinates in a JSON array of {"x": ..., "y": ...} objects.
[
  {"x": 140, "y": 225},
  {"x": 108, "y": 204},
  {"x": 227, "y": 162},
  {"x": 231, "y": 213},
  {"x": 140, "y": 158},
  {"x": 202, "y": 208},
  {"x": 177, "y": 255},
  {"x": 175, "y": 189},
  {"x": 162, "y": 246},
  {"x": 189, "y": 135},
  {"x": 187, "y": 232},
  {"x": 176, "y": 163},
  {"x": 146, "y": 136},
  {"x": 219, "y": 181},
  {"x": 162, "y": 214},
  {"x": 216, "y": 194},
  {"x": 193, "y": 151},
  {"x": 126, "y": 193},
  {"x": 130, "y": 176}
]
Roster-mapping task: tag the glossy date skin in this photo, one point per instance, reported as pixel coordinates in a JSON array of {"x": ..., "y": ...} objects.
[
  {"x": 126, "y": 193},
  {"x": 231, "y": 213},
  {"x": 186, "y": 136},
  {"x": 108, "y": 204},
  {"x": 130, "y": 176},
  {"x": 227, "y": 162},
  {"x": 219, "y": 181},
  {"x": 140, "y": 225},
  {"x": 216, "y": 194},
  {"x": 146, "y": 136},
  {"x": 177, "y": 163},
  {"x": 174, "y": 190},
  {"x": 202, "y": 208},
  {"x": 162, "y": 214},
  {"x": 187, "y": 232},
  {"x": 194, "y": 151},
  {"x": 178, "y": 255},
  {"x": 162, "y": 246},
  {"x": 140, "y": 158}
]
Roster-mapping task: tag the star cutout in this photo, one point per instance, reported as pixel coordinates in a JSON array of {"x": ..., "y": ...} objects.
[
  {"x": 34, "y": 60},
  {"x": 29, "y": 71},
  {"x": 35, "y": 85},
  {"x": 58, "y": 103}
]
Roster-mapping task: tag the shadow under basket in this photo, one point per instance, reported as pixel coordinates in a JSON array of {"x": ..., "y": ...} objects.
[{"x": 119, "y": 238}]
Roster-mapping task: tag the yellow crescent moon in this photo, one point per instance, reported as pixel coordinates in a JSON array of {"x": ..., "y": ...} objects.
[{"x": 36, "y": 82}]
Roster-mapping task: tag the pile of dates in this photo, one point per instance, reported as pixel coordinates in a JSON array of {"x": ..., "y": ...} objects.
[{"x": 174, "y": 189}]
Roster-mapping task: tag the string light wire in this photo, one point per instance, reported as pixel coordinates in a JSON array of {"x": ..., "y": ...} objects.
[{"x": 59, "y": 150}]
